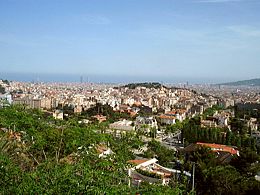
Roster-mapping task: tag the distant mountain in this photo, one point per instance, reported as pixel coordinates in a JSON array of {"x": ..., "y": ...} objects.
[{"x": 251, "y": 82}]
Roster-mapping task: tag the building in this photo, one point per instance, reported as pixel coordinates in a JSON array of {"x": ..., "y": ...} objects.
[
  {"x": 26, "y": 101},
  {"x": 150, "y": 171},
  {"x": 100, "y": 118},
  {"x": 224, "y": 153},
  {"x": 168, "y": 120},
  {"x": 179, "y": 114},
  {"x": 58, "y": 114},
  {"x": 226, "y": 103},
  {"x": 147, "y": 122},
  {"x": 5, "y": 99},
  {"x": 124, "y": 125},
  {"x": 208, "y": 123},
  {"x": 103, "y": 151}
]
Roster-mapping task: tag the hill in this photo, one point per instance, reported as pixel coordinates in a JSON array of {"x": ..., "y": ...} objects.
[
  {"x": 147, "y": 85},
  {"x": 251, "y": 82}
]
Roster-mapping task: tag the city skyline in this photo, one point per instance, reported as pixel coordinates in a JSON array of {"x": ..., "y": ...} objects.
[{"x": 170, "y": 40}]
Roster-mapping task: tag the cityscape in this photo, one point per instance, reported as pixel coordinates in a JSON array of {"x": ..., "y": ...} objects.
[
  {"x": 167, "y": 122},
  {"x": 130, "y": 97}
]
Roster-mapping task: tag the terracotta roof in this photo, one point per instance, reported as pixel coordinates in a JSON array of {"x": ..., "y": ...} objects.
[
  {"x": 138, "y": 103},
  {"x": 177, "y": 111},
  {"x": 172, "y": 112},
  {"x": 138, "y": 161},
  {"x": 101, "y": 149},
  {"x": 219, "y": 147},
  {"x": 167, "y": 117}
]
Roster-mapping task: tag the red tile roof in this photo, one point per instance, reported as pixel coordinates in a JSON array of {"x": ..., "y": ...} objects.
[
  {"x": 219, "y": 147},
  {"x": 167, "y": 117},
  {"x": 138, "y": 161}
]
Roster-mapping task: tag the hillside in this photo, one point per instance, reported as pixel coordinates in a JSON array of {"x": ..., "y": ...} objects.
[
  {"x": 41, "y": 155},
  {"x": 147, "y": 85},
  {"x": 251, "y": 82}
]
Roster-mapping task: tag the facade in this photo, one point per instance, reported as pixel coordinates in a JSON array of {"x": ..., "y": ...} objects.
[
  {"x": 147, "y": 122},
  {"x": 168, "y": 120},
  {"x": 26, "y": 101},
  {"x": 124, "y": 125}
]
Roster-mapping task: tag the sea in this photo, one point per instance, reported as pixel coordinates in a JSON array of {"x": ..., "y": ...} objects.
[{"x": 92, "y": 78}]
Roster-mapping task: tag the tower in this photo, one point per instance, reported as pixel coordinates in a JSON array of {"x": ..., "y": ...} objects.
[{"x": 81, "y": 79}]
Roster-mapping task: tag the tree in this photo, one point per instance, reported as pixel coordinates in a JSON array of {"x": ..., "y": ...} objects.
[
  {"x": 222, "y": 180},
  {"x": 2, "y": 89},
  {"x": 228, "y": 138}
]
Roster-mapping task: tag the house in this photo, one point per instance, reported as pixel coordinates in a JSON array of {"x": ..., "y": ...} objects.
[
  {"x": 150, "y": 122},
  {"x": 78, "y": 109},
  {"x": 224, "y": 153},
  {"x": 196, "y": 109},
  {"x": 103, "y": 151},
  {"x": 58, "y": 114},
  {"x": 208, "y": 123},
  {"x": 150, "y": 171},
  {"x": 28, "y": 101},
  {"x": 124, "y": 125},
  {"x": 253, "y": 124},
  {"x": 5, "y": 99},
  {"x": 100, "y": 118},
  {"x": 223, "y": 118},
  {"x": 219, "y": 148},
  {"x": 180, "y": 114},
  {"x": 226, "y": 102},
  {"x": 168, "y": 120}
]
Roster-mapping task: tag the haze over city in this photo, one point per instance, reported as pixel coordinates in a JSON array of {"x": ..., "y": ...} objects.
[{"x": 121, "y": 41}]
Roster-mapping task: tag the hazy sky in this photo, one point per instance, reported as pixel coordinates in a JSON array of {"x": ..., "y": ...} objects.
[{"x": 201, "y": 39}]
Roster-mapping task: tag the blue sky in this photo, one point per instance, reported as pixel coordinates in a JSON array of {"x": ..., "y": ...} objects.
[{"x": 211, "y": 40}]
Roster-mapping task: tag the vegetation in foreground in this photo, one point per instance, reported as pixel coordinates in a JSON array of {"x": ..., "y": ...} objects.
[{"x": 41, "y": 155}]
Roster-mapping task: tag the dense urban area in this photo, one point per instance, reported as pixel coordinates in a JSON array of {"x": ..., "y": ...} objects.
[{"x": 139, "y": 138}]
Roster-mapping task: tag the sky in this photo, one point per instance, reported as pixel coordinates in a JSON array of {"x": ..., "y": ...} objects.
[{"x": 163, "y": 40}]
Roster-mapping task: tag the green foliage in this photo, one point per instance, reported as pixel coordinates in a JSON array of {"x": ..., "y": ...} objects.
[
  {"x": 247, "y": 110},
  {"x": 163, "y": 154},
  {"x": 246, "y": 162},
  {"x": 104, "y": 110},
  {"x": 222, "y": 180},
  {"x": 59, "y": 157},
  {"x": 236, "y": 178},
  {"x": 149, "y": 174},
  {"x": 173, "y": 128},
  {"x": 192, "y": 132},
  {"x": 147, "y": 85},
  {"x": 212, "y": 110},
  {"x": 157, "y": 189},
  {"x": 238, "y": 126},
  {"x": 227, "y": 180},
  {"x": 10, "y": 175}
]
